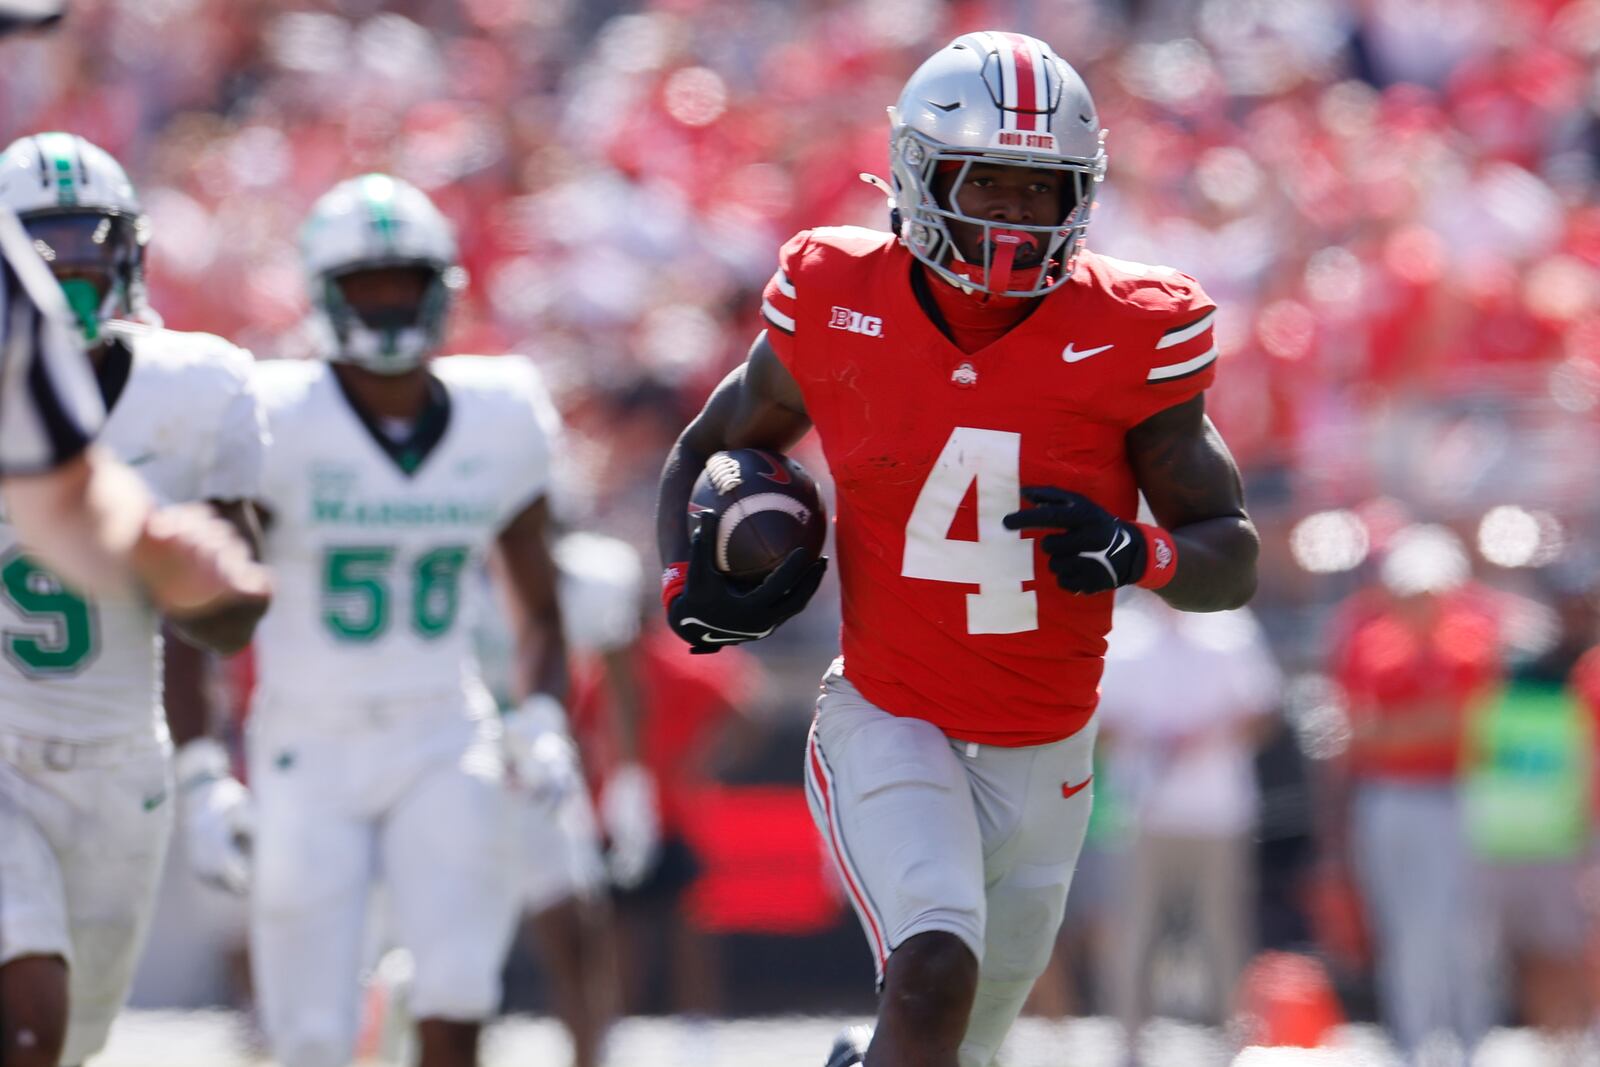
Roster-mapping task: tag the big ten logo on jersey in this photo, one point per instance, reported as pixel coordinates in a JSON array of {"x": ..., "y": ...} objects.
[{"x": 856, "y": 322}]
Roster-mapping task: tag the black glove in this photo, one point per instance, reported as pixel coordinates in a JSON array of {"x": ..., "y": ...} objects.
[
  {"x": 1095, "y": 552},
  {"x": 712, "y": 611}
]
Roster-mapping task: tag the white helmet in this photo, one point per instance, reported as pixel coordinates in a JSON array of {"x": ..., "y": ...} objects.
[
  {"x": 376, "y": 222},
  {"x": 77, "y": 204},
  {"x": 29, "y": 14},
  {"x": 1002, "y": 98}
]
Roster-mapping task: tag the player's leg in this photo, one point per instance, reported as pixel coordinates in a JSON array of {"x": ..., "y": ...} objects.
[
  {"x": 314, "y": 860},
  {"x": 448, "y": 1042},
  {"x": 575, "y": 942},
  {"x": 110, "y": 871},
  {"x": 569, "y": 919},
  {"x": 1033, "y": 824},
  {"x": 451, "y": 864},
  {"x": 892, "y": 803},
  {"x": 1224, "y": 890},
  {"x": 33, "y": 1011},
  {"x": 34, "y": 940},
  {"x": 928, "y": 993},
  {"x": 1138, "y": 921},
  {"x": 1405, "y": 863}
]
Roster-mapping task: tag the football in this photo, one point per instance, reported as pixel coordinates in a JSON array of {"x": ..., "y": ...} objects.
[{"x": 766, "y": 505}]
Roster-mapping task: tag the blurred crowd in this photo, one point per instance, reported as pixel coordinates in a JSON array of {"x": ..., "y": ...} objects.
[{"x": 1392, "y": 201}]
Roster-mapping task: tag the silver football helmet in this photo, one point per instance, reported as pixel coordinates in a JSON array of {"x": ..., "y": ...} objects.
[
  {"x": 377, "y": 222},
  {"x": 1002, "y": 98},
  {"x": 84, "y": 217}
]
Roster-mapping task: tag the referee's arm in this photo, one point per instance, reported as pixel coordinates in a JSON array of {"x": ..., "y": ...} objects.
[
  {"x": 75, "y": 508},
  {"x": 73, "y": 505}
]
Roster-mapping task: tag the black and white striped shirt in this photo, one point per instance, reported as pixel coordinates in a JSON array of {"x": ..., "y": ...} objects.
[{"x": 50, "y": 407}]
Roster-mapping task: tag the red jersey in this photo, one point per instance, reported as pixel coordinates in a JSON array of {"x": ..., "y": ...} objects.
[
  {"x": 686, "y": 699},
  {"x": 1386, "y": 667},
  {"x": 948, "y": 616}
]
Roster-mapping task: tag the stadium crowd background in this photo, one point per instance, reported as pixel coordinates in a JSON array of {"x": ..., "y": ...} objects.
[{"x": 1392, "y": 201}]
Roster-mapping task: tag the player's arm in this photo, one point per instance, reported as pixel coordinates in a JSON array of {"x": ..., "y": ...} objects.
[
  {"x": 1192, "y": 485},
  {"x": 81, "y": 519},
  {"x": 627, "y": 699},
  {"x": 215, "y": 816},
  {"x": 93, "y": 521},
  {"x": 227, "y": 629},
  {"x": 537, "y": 747},
  {"x": 1202, "y": 556},
  {"x": 627, "y": 800},
  {"x": 758, "y": 405},
  {"x": 539, "y": 655}
]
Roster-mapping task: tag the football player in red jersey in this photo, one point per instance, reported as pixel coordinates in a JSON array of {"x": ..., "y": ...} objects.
[{"x": 978, "y": 379}]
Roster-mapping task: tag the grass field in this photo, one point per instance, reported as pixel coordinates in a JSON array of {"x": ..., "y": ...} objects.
[{"x": 220, "y": 1039}]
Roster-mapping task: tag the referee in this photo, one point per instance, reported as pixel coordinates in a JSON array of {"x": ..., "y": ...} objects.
[
  {"x": 49, "y": 405},
  {"x": 76, "y": 508}
]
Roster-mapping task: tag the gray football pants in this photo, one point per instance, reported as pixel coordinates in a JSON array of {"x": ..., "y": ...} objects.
[{"x": 931, "y": 833}]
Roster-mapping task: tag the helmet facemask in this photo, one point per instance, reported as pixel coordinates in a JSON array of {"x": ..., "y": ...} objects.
[
  {"x": 98, "y": 257},
  {"x": 386, "y": 317},
  {"x": 381, "y": 267},
  {"x": 917, "y": 161}
]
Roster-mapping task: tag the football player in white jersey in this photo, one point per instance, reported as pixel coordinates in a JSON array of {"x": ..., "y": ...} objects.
[
  {"x": 564, "y": 887},
  {"x": 80, "y": 510},
  {"x": 84, "y": 777},
  {"x": 373, "y": 743}
]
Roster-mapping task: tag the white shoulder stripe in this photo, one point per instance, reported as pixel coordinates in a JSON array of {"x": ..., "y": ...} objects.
[
  {"x": 785, "y": 286},
  {"x": 1178, "y": 370},
  {"x": 776, "y": 317},
  {"x": 1189, "y": 332}
]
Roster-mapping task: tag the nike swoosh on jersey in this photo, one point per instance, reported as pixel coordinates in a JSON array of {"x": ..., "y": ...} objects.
[
  {"x": 1072, "y": 356},
  {"x": 139, "y": 460},
  {"x": 1069, "y": 790}
]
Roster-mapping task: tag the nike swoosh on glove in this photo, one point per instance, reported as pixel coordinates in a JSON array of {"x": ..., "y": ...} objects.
[
  {"x": 1095, "y": 551},
  {"x": 218, "y": 823},
  {"x": 712, "y": 611}
]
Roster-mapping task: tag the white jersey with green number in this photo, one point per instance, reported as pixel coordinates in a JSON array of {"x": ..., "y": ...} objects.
[
  {"x": 373, "y": 597},
  {"x": 187, "y": 422}
]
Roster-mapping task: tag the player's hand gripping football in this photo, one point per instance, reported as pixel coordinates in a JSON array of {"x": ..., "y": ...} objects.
[
  {"x": 218, "y": 825},
  {"x": 192, "y": 562},
  {"x": 712, "y": 611},
  {"x": 1095, "y": 551}
]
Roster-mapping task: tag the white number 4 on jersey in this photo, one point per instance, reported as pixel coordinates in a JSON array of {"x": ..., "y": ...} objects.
[{"x": 1000, "y": 560}]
